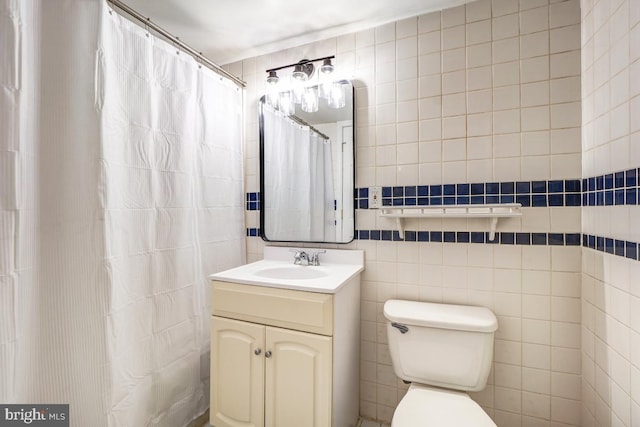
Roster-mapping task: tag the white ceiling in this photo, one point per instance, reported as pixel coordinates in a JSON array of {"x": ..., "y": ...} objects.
[{"x": 230, "y": 30}]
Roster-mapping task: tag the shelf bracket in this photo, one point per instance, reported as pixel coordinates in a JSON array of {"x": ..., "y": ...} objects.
[
  {"x": 400, "y": 225},
  {"x": 493, "y": 224}
]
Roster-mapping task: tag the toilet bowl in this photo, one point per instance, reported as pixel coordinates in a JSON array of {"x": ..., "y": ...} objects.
[
  {"x": 425, "y": 406},
  {"x": 444, "y": 350}
]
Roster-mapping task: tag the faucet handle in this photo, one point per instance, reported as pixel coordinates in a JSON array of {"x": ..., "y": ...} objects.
[
  {"x": 299, "y": 256},
  {"x": 315, "y": 258}
]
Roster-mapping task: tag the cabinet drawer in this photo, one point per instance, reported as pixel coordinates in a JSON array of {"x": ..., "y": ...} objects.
[{"x": 303, "y": 311}]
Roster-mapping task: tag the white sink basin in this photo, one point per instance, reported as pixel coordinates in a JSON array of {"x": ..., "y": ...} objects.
[
  {"x": 277, "y": 270},
  {"x": 292, "y": 273}
]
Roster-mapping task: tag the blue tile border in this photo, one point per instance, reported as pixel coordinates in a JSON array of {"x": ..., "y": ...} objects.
[
  {"x": 623, "y": 248},
  {"x": 527, "y": 193},
  {"x": 611, "y": 189},
  {"x": 252, "y": 201},
  {"x": 504, "y": 238}
]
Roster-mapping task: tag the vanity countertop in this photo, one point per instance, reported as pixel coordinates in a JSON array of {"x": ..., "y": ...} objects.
[{"x": 277, "y": 270}]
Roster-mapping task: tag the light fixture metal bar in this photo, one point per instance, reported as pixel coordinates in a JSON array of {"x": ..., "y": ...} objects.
[
  {"x": 177, "y": 42},
  {"x": 304, "y": 61}
]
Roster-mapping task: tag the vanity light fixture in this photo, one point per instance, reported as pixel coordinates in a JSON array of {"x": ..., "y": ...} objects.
[
  {"x": 302, "y": 80},
  {"x": 303, "y": 69}
]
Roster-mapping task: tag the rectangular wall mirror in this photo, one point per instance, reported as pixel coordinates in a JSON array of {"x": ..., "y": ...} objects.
[{"x": 307, "y": 171}]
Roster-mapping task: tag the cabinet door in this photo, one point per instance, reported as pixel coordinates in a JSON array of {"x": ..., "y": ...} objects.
[
  {"x": 237, "y": 373},
  {"x": 298, "y": 379}
]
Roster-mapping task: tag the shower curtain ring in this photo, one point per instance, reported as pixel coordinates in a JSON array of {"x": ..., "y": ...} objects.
[
  {"x": 177, "y": 41},
  {"x": 199, "y": 59},
  {"x": 146, "y": 26}
]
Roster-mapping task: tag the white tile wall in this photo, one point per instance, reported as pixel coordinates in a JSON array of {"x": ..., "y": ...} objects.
[
  {"x": 482, "y": 92},
  {"x": 610, "y": 323}
]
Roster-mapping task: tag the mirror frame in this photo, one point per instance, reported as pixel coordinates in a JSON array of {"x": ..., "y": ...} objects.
[{"x": 264, "y": 197}]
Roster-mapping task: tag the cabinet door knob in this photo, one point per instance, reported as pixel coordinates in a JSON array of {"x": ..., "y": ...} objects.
[
  {"x": 257, "y": 352},
  {"x": 267, "y": 354}
]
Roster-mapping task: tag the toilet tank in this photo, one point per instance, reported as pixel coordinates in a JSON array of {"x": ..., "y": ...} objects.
[{"x": 444, "y": 345}]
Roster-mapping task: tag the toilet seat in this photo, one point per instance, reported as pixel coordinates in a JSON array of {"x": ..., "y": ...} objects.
[{"x": 425, "y": 406}]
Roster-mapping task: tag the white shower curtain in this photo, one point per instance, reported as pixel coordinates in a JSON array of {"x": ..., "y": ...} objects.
[
  {"x": 300, "y": 197},
  {"x": 321, "y": 189},
  {"x": 120, "y": 191}
]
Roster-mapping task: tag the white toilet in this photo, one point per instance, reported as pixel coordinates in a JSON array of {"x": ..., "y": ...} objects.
[{"x": 444, "y": 351}]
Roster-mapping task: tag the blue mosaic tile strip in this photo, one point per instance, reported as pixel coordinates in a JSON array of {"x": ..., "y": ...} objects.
[
  {"x": 623, "y": 248},
  {"x": 617, "y": 188},
  {"x": 504, "y": 238},
  {"x": 252, "y": 201},
  {"x": 528, "y": 193}
]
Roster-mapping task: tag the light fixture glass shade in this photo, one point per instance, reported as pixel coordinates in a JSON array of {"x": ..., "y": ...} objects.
[
  {"x": 272, "y": 78},
  {"x": 324, "y": 85},
  {"x": 286, "y": 103},
  {"x": 273, "y": 98},
  {"x": 326, "y": 67},
  {"x": 299, "y": 74},
  {"x": 303, "y": 70},
  {"x": 310, "y": 99},
  {"x": 272, "y": 93},
  {"x": 297, "y": 89},
  {"x": 336, "y": 97}
]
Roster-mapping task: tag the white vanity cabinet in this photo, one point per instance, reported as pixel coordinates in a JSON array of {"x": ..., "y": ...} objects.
[
  {"x": 290, "y": 384},
  {"x": 283, "y": 357}
]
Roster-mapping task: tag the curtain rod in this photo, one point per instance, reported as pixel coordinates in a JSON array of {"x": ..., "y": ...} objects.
[
  {"x": 175, "y": 40},
  {"x": 303, "y": 123}
]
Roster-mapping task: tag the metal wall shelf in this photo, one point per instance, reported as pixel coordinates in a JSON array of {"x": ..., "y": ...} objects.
[{"x": 491, "y": 211}]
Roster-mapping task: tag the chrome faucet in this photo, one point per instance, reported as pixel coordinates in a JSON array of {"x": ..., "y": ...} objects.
[
  {"x": 300, "y": 257},
  {"x": 303, "y": 258},
  {"x": 315, "y": 258}
]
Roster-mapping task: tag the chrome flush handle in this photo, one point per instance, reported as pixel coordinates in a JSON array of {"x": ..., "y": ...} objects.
[{"x": 402, "y": 328}]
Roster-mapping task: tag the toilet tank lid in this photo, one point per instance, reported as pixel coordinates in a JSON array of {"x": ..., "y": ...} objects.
[{"x": 444, "y": 316}]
